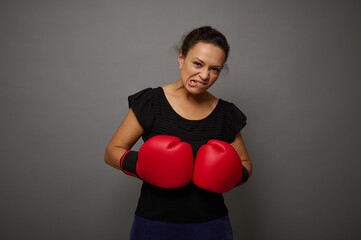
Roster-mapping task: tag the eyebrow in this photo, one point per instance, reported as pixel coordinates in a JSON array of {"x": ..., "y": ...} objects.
[{"x": 203, "y": 62}]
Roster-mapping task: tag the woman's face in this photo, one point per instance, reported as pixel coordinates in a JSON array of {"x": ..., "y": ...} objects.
[{"x": 201, "y": 67}]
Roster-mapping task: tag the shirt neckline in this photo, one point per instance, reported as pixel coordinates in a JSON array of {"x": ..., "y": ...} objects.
[{"x": 186, "y": 119}]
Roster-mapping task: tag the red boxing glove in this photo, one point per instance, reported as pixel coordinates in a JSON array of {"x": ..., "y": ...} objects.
[
  {"x": 164, "y": 161},
  {"x": 217, "y": 167}
]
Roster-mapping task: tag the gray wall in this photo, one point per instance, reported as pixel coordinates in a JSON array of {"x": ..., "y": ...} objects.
[{"x": 67, "y": 67}]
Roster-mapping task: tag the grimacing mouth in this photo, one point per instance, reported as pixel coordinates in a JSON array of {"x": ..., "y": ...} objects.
[{"x": 198, "y": 82}]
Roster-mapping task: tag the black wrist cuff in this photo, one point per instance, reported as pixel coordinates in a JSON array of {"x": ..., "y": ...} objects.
[
  {"x": 245, "y": 175},
  {"x": 129, "y": 162}
]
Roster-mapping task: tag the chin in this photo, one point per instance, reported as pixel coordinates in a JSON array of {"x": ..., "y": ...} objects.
[{"x": 196, "y": 91}]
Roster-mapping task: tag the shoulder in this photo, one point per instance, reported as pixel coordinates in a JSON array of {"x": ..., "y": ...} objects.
[
  {"x": 142, "y": 104},
  {"x": 229, "y": 105},
  {"x": 144, "y": 94},
  {"x": 235, "y": 119},
  {"x": 233, "y": 112},
  {"x": 148, "y": 90}
]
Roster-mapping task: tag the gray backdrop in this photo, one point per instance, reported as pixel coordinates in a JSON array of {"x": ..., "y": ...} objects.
[{"x": 67, "y": 67}]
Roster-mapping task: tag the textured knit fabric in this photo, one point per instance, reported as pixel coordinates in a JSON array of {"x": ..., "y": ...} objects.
[
  {"x": 188, "y": 204},
  {"x": 217, "y": 229}
]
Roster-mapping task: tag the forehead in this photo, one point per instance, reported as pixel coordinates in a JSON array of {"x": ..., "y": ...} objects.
[{"x": 208, "y": 53}]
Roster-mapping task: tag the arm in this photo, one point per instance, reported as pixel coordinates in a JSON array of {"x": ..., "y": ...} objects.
[
  {"x": 240, "y": 148},
  {"x": 124, "y": 138},
  {"x": 152, "y": 163}
]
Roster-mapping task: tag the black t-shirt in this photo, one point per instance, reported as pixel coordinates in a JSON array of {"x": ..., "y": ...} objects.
[{"x": 188, "y": 204}]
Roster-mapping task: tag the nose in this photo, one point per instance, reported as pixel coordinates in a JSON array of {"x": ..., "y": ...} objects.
[{"x": 204, "y": 74}]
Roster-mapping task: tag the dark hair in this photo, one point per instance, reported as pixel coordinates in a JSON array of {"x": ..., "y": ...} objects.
[{"x": 205, "y": 34}]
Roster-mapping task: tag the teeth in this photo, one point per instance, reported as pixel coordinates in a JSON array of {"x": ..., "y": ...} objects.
[{"x": 199, "y": 83}]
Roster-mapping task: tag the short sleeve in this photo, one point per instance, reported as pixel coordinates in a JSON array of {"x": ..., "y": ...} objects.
[
  {"x": 236, "y": 121},
  {"x": 142, "y": 105}
]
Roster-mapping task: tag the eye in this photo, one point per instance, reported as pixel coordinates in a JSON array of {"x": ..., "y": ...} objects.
[
  {"x": 216, "y": 70},
  {"x": 197, "y": 64}
]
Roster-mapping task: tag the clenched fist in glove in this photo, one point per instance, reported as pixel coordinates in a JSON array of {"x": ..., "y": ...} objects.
[
  {"x": 163, "y": 161},
  {"x": 217, "y": 167}
]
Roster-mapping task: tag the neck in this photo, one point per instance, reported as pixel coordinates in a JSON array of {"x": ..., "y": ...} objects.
[{"x": 179, "y": 89}]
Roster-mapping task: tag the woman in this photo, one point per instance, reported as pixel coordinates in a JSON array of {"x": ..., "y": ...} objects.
[{"x": 193, "y": 149}]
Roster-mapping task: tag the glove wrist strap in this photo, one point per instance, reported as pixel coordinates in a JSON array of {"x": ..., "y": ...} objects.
[
  {"x": 244, "y": 176},
  {"x": 128, "y": 163}
]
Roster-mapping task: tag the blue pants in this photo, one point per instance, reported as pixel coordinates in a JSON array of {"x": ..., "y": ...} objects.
[{"x": 144, "y": 229}]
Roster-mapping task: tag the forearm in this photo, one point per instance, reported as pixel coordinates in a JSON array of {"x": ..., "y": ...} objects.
[
  {"x": 124, "y": 138},
  {"x": 113, "y": 155},
  {"x": 240, "y": 147}
]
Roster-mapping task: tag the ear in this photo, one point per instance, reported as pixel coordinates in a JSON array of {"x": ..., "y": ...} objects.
[{"x": 180, "y": 59}]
